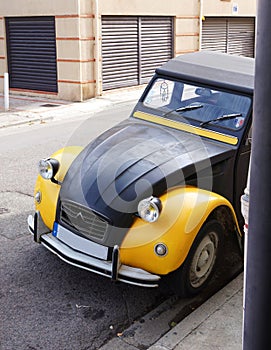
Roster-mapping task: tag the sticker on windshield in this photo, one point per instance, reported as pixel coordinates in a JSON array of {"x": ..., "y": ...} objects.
[{"x": 239, "y": 121}]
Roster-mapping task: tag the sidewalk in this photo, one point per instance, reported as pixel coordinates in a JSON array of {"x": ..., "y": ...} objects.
[
  {"x": 217, "y": 323},
  {"x": 29, "y": 110}
]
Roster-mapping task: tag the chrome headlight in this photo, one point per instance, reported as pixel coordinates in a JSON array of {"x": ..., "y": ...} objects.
[
  {"x": 48, "y": 168},
  {"x": 149, "y": 209}
]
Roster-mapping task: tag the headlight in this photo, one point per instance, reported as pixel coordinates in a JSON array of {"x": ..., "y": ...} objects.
[
  {"x": 48, "y": 168},
  {"x": 149, "y": 209}
]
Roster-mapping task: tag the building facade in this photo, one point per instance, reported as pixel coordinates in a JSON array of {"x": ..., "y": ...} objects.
[{"x": 77, "y": 49}]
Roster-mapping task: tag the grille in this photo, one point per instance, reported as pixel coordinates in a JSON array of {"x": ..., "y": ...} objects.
[{"x": 83, "y": 220}]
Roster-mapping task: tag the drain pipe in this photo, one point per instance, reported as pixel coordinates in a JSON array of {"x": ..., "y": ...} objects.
[
  {"x": 6, "y": 91},
  {"x": 257, "y": 318}
]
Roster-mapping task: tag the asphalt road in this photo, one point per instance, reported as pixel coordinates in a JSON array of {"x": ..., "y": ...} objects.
[{"x": 44, "y": 302}]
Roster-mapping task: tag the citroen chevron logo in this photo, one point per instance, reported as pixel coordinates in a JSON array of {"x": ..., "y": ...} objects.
[{"x": 80, "y": 215}]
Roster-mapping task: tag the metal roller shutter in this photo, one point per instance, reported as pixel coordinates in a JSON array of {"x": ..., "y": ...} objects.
[
  {"x": 155, "y": 44},
  {"x": 231, "y": 35},
  {"x": 132, "y": 47},
  {"x": 31, "y": 47},
  {"x": 214, "y": 34},
  {"x": 119, "y": 51},
  {"x": 241, "y": 33}
]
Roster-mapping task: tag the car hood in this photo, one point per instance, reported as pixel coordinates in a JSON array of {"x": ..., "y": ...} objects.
[{"x": 135, "y": 160}]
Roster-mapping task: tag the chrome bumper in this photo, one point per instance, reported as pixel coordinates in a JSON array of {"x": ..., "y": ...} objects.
[{"x": 109, "y": 268}]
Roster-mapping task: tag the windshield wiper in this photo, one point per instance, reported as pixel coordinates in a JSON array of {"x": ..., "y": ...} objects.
[
  {"x": 184, "y": 109},
  {"x": 222, "y": 117}
]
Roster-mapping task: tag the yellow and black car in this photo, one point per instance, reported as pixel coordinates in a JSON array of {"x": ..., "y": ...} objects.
[{"x": 156, "y": 195}]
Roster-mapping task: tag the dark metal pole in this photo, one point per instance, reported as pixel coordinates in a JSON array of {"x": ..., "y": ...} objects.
[{"x": 257, "y": 297}]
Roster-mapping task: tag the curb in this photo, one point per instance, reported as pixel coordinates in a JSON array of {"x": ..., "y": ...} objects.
[{"x": 23, "y": 122}]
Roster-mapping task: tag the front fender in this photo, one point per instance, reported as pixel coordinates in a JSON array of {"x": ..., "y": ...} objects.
[
  {"x": 185, "y": 209},
  {"x": 49, "y": 191}
]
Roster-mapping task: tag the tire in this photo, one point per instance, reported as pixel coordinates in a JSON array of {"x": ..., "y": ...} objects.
[{"x": 199, "y": 266}]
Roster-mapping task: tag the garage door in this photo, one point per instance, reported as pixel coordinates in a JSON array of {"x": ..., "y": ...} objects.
[
  {"x": 132, "y": 47},
  {"x": 231, "y": 35},
  {"x": 31, "y": 47}
]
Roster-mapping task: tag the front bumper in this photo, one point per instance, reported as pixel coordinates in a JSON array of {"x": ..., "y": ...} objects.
[{"x": 110, "y": 268}]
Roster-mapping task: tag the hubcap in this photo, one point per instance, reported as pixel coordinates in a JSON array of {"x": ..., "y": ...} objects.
[{"x": 203, "y": 260}]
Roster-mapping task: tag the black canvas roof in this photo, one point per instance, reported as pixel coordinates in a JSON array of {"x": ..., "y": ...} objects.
[{"x": 218, "y": 69}]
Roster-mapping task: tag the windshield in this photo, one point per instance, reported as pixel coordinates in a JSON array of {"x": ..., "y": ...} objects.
[{"x": 206, "y": 106}]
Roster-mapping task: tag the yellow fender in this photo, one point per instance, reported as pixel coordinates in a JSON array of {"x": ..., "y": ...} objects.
[
  {"x": 49, "y": 191},
  {"x": 185, "y": 210}
]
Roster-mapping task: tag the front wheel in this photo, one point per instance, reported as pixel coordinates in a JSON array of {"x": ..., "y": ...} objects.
[{"x": 198, "y": 268}]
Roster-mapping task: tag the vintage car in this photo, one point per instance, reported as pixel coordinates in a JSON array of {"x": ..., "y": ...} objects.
[{"x": 155, "y": 197}]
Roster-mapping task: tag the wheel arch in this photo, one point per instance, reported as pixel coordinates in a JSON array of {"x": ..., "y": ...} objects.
[
  {"x": 185, "y": 210},
  {"x": 227, "y": 217}
]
